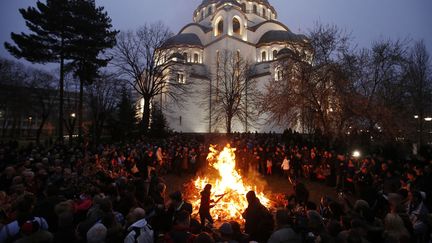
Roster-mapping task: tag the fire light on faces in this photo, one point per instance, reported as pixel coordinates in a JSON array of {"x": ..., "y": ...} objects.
[{"x": 229, "y": 191}]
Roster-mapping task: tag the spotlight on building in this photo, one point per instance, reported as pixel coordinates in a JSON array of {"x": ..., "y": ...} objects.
[
  {"x": 356, "y": 154},
  {"x": 416, "y": 117},
  {"x": 428, "y": 119}
]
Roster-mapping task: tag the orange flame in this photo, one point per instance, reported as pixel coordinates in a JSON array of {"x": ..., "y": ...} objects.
[{"x": 230, "y": 184}]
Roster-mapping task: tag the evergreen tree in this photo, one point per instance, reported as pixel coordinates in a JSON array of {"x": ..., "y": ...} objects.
[
  {"x": 51, "y": 39},
  {"x": 126, "y": 115},
  {"x": 159, "y": 125},
  {"x": 64, "y": 30},
  {"x": 93, "y": 36}
]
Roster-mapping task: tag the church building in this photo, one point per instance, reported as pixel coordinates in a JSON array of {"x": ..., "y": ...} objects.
[{"x": 248, "y": 27}]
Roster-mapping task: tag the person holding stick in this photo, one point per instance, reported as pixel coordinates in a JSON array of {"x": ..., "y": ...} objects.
[{"x": 204, "y": 210}]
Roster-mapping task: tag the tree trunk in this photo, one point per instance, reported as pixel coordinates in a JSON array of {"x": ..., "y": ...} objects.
[
  {"x": 246, "y": 111},
  {"x": 80, "y": 109},
  {"x": 146, "y": 115},
  {"x": 421, "y": 127},
  {"x": 60, "y": 118},
  {"x": 228, "y": 124}
]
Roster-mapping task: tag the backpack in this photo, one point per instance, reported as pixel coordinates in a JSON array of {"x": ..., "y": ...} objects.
[{"x": 143, "y": 235}]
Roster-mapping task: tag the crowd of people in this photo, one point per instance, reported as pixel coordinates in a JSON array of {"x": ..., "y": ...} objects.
[{"x": 117, "y": 193}]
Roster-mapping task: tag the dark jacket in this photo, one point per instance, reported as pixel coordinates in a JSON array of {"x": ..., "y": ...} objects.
[
  {"x": 179, "y": 234},
  {"x": 259, "y": 222}
]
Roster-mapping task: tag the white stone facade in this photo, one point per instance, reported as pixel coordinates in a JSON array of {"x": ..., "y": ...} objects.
[{"x": 247, "y": 26}]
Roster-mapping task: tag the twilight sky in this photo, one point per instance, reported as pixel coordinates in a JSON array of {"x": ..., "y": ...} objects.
[{"x": 367, "y": 20}]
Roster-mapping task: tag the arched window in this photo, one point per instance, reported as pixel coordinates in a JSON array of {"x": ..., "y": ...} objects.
[
  {"x": 209, "y": 11},
  {"x": 202, "y": 14},
  {"x": 181, "y": 78},
  {"x": 196, "y": 58},
  {"x": 244, "y": 7},
  {"x": 220, "y": 27},
  {"x": 264, "y": 12},
  {"x": 255, "y": 9},
  {"x": 264, "y": 56},
  {"x": 185, "y": 56},
  {"x": 278, "y": 74},
  {"x": 236, "y": 26},
  {"x": 274, "y": 54}
]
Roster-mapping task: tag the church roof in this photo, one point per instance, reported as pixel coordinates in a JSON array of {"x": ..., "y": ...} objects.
[
  {"x": 207, "y": 2},
  {"x": 202, "y": 27},
  {"x": 286, "y": 52},
  {"x": 219, "y": 2},
  {"x": 188, "y": 39},
  {"x": 280, "y": 36}
]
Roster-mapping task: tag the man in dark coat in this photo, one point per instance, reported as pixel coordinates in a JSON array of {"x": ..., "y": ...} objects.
[
  {"x": 176, "y": 206},
  {"x": 180, "y": 232},
  {"x": 259, "y": 221}
]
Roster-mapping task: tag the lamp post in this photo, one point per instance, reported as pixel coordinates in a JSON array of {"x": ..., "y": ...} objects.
[
  {"x": 428, "y": 120},
  {"x": 419, "y": 129},
  {"x": 30, "y": 119},
  {"x": 71, "y": 125}
]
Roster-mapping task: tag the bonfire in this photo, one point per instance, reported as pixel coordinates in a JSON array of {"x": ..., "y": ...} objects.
[{"x": 229, "y": 188}]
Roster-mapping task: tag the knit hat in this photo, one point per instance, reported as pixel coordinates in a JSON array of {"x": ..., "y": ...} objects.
[
  {"x": 29, "y": 227},
  {"x": 97, "y": 233},
  {"x": 226, "y": 229}
]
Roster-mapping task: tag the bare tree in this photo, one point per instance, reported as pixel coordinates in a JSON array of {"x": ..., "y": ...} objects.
[
  {"x": 379, "y": 88},
  {"x": 419, "y": 84},
  {"x": 14, "y": 105},
  {"x": 306, "y": 88},
  {"x": 233, "y": 92},
  {"x": 71, "y": 103},
  {"x": 141, "y": 58},
  {"x": 41, "y": 85},
  {"x": 103, "y": 97}
]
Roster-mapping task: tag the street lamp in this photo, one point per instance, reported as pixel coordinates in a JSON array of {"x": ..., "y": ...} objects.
[
  {"x": 428, "y": 120},
  {"x": 71, "y": 125},
  {"x": 356, "y": 154},
  {"x": 416, "y": 117},
  {"x": 30, "y": 118}
]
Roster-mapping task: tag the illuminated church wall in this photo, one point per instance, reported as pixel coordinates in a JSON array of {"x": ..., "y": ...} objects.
[{"x": 220, "y": 25}]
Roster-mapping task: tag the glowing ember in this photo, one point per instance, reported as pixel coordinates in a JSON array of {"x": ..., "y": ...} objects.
[{"x": 230, "y": 187}]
